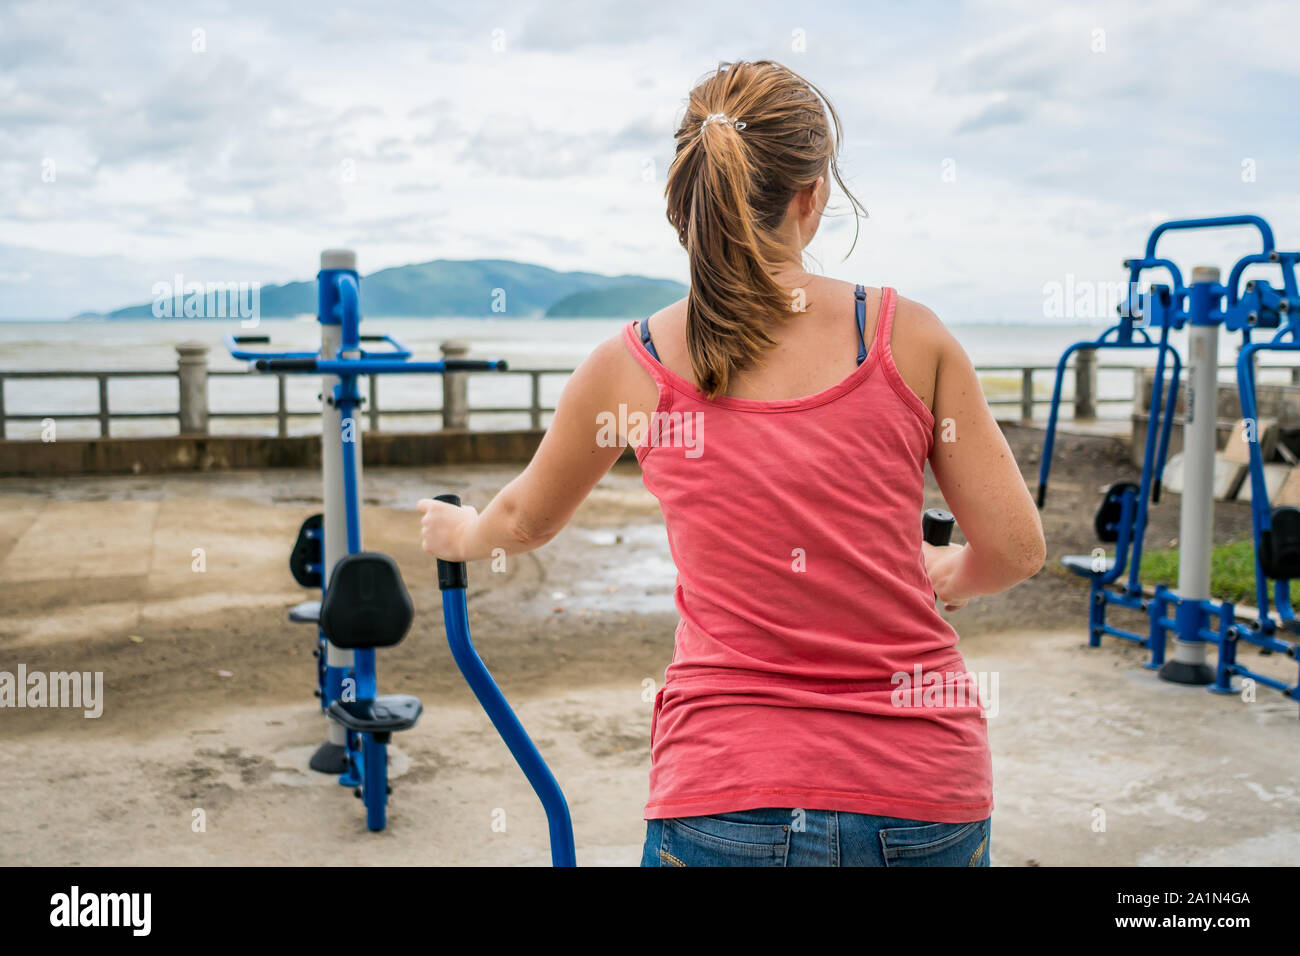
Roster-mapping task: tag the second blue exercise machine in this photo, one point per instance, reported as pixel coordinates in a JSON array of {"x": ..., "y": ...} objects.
[{"x": 1201, "y": 308}]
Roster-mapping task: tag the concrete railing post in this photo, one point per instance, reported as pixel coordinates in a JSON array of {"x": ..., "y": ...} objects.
[
  {"x": 1027, "y": 395},
  {"x": 1085, "y": 383},
  {"x": 455, "y": 388},
  {"x": 1143, "y": 380},
  {"x": 192, "y": 371}
]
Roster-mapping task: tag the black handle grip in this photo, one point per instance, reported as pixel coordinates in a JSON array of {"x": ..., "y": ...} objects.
[
  {"x": 451, "y": 574},
  {"x": 252, "y": 339},
  {"x": 474, "y": 365},
  {"x": 286, "y": 365},
  {"x": 936, "y": 526}
]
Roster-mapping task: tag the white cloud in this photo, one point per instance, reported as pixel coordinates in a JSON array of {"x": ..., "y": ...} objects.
[{"x": 397, "y": 128}]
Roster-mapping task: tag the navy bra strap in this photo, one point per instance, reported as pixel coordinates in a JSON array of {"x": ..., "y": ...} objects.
[
  {"x": 645, "y": 340},
  {"x": 861, "y": 295}
]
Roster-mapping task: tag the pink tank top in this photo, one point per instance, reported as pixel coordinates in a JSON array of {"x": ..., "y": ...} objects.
[{"x": 811, "y": 668}]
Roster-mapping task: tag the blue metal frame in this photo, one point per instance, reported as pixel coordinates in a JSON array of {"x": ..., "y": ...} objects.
[
  {"x": 339, "y": 295},
  {"x": 1133, "y": 520},
  {"x": 236, "y": 350},
  {"x": 1244, "y": 309},
  {"x": 456, "y": 618}
]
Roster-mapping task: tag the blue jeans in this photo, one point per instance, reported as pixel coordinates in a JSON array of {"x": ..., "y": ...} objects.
[{"x": 780, "y": 837}]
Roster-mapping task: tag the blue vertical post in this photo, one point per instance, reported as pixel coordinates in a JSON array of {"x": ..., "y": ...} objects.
[
  {"x": 340, "y": 292},
  {"x": 1158, "y": 610},
  {"x": 347, "y": 398},
  {"x": 1227, "y": 650}
]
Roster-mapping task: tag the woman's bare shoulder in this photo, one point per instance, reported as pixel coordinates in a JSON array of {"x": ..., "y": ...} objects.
[
  {"x": 671, "y": 316},
  {"x": 917, "y": 321},
  {"x": 920, "y": 343}
]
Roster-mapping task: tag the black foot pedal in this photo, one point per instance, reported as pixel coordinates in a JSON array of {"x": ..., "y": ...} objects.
[{"x": 330, "y": 758}]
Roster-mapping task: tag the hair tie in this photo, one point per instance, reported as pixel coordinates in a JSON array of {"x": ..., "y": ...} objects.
[{"x": 722, "y": 118}]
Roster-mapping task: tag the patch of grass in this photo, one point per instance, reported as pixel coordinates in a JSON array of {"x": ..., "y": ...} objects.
[
  {"x": 1232, "y": 570},
  {"x": 1000, "y": 385}
]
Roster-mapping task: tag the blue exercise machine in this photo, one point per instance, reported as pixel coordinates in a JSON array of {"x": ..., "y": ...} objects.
[
  {"x": 1197, "y": 619},
  {"x": 1122, "y": 518},
  {"x": 364, "y": 603}
]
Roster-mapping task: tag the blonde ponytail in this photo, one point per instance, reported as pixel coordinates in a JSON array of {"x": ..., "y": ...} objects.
[{"x": 753, "y": 135}]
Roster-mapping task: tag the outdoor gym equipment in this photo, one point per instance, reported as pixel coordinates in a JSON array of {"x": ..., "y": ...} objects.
[
  {"x": 364, "y": 603},
  {"x": 1122, "y": 518},
  {"x": 453, "y": 579},
  {"x": 1201, "y": 307}
]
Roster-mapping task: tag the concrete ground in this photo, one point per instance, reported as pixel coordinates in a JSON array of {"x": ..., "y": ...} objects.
[{"x": 208, "y": 713}]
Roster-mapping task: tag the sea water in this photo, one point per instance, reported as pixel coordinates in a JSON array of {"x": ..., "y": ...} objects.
[{"x": 561, "y": 344}]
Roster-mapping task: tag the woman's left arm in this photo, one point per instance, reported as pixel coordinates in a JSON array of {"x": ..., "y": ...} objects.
[{"x": 575, "y": 453}]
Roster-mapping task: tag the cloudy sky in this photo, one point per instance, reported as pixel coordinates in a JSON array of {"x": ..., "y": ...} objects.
[{"x": 997, "y": 146}]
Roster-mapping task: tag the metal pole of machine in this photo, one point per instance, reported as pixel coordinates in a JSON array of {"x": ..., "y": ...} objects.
[
  {"x": 1196, "y": 514},
  {"x": 338, "y": 662}
]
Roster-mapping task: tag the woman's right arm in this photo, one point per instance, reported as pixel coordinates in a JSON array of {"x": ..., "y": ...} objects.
[{"x": 981, "y": 483}]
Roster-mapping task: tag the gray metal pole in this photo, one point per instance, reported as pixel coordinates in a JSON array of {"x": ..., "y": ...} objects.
[
  {"x": 331, "y": 458},
  {"x": 1196, "y": 514}
]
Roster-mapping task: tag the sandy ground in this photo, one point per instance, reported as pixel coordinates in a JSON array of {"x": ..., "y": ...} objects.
[{"x": 208, "y": 689}]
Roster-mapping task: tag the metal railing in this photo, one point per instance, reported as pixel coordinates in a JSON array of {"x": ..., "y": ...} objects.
[
  {"x": 193, "y": 414},
  {"x": 105, "y": 415}
]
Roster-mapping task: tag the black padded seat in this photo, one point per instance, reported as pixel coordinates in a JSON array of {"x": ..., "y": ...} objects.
[
  {"x": 366, "y": 604},
  {"x": 387, "y": 714},
  {"x": 308, "y": 612},
  {"x": 1081, "y": 564},
  {"x": 1106, "y": 522}
]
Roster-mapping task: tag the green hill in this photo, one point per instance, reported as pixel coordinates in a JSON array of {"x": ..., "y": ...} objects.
[
  {"x": 632, "y": 300},
  {"x": 497, "y": 288}
]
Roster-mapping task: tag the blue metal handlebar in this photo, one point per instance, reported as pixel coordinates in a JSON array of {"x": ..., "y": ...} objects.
[
  {"x": 508, "y": 726},
  {"x": 1258, "y": 305},
  {"x": 380, "y": 365},
  {"x": 349, "y": 308},
  {"x": 1162, "y": 418},
  {"x": 1179, "y": 289},
  {"x": 234, "y": 345},
  {"x": 1137, "y": 266},
  {"x": 398, "y": 351},
  {"x": 453, "y": 579},
  {"x": 1218, "y": 222}
]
